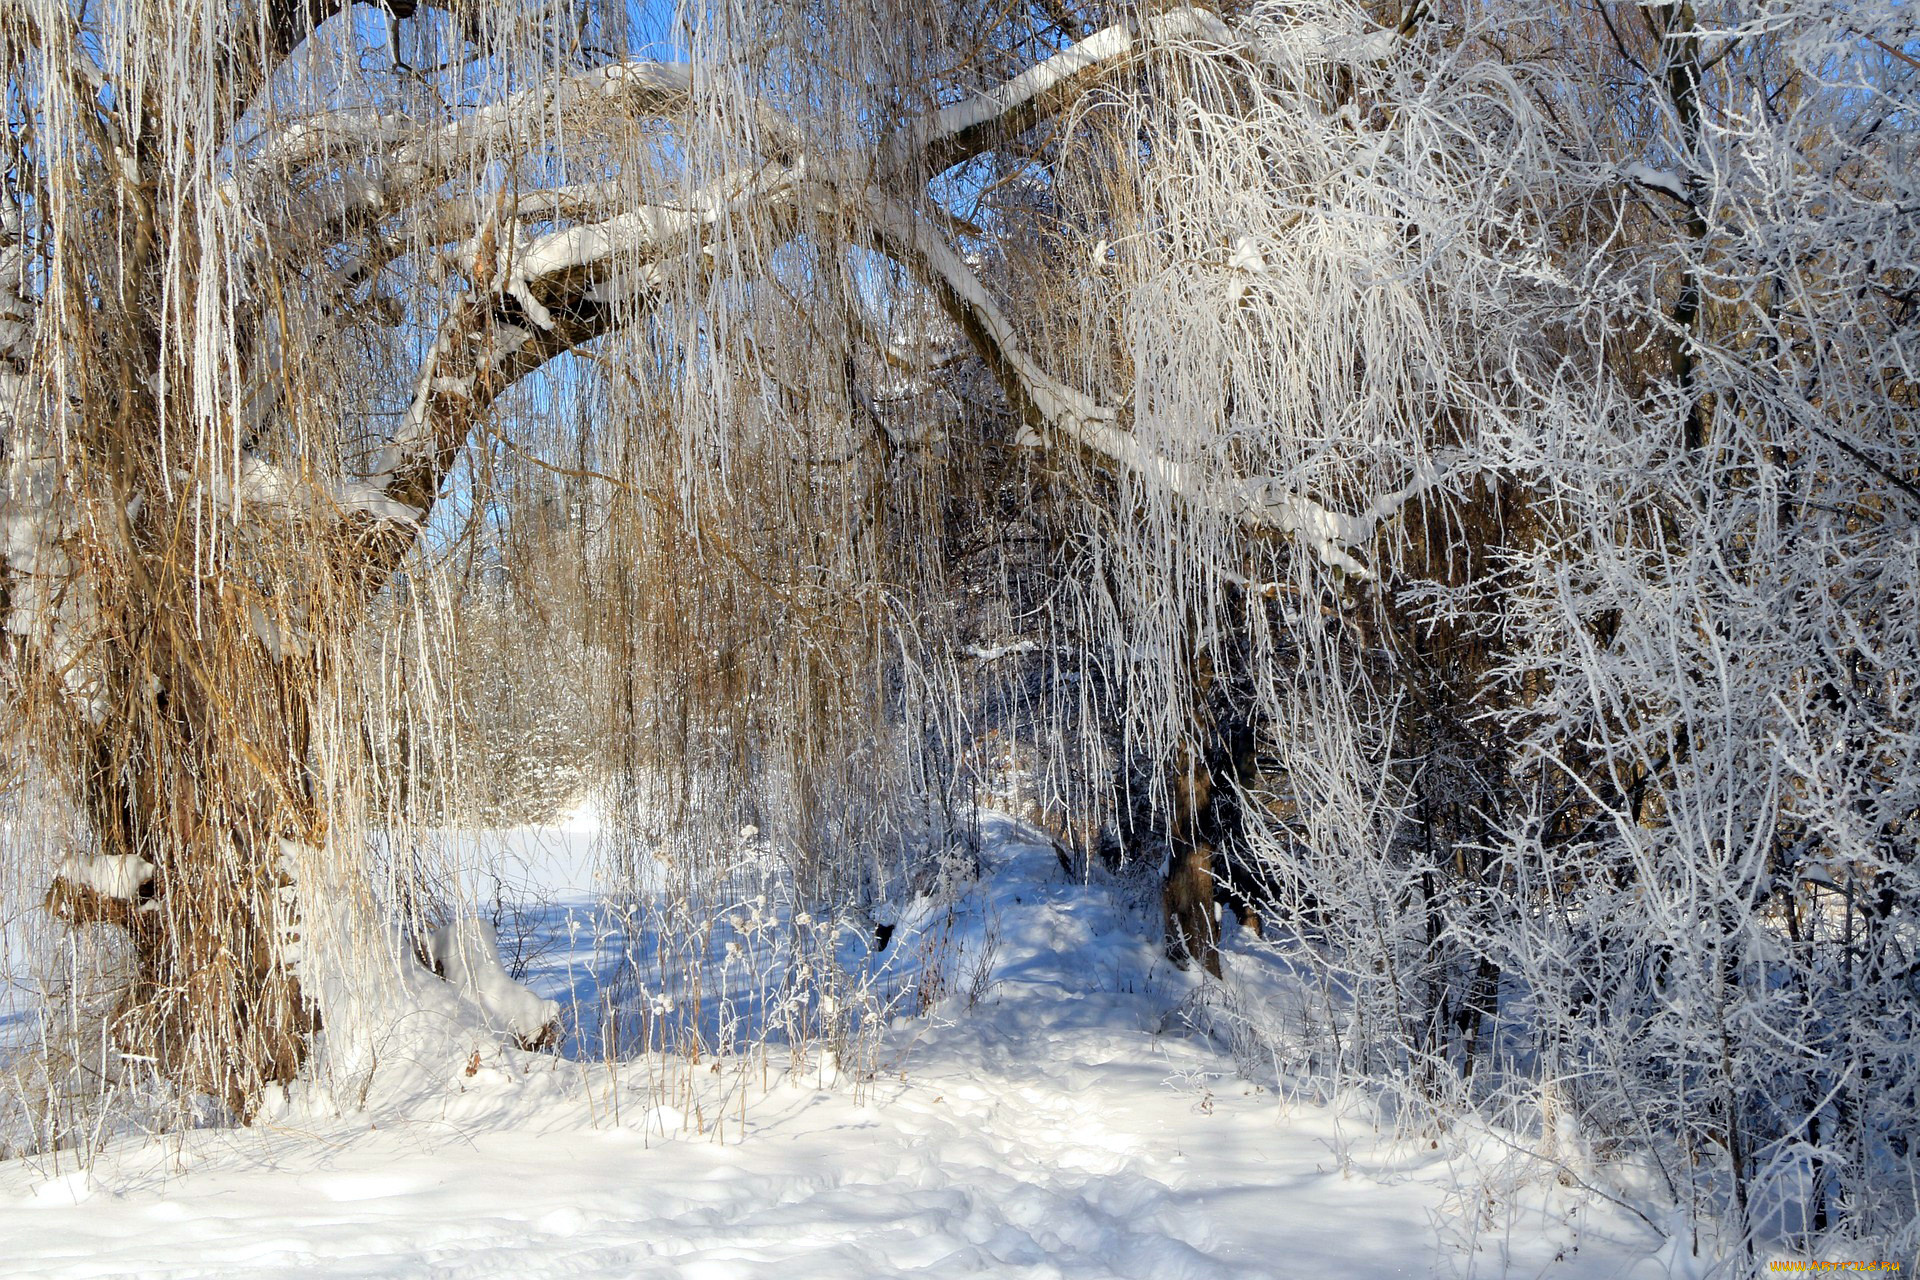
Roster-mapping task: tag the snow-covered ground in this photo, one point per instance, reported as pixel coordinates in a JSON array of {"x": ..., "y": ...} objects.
[{"x": 1048, "y": 1120}]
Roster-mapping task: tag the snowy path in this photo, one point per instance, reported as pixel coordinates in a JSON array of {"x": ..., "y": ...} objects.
[{"x": 1051, "y": 1131}]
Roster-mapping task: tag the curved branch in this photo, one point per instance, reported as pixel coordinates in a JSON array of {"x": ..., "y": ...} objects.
[
  {"x": 1058, "y": 411},
  {"x": 562, "y": 291},
  {"x": 978, "y": 124}
]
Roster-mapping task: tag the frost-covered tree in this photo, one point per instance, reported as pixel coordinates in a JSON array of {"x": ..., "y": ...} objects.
[
  {"x": 268, "y": 270},
  {"x": 1568, "y": 806}
]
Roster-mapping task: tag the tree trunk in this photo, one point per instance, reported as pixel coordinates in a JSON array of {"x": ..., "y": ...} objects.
[
  {"x": 197, "y": 786},
  {"x": 1192, "y": 931}
]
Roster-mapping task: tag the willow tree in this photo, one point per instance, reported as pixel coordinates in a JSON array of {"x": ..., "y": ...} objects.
[{"x": 268, "y": 269}]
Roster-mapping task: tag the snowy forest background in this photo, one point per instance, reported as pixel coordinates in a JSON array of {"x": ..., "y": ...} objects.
[{"x": 1441, "y": 481}]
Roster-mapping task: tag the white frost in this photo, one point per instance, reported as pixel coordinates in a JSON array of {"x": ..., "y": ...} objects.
[
  {"x": 988, "y": 654},
  {"x": 1104, "y": 46}
]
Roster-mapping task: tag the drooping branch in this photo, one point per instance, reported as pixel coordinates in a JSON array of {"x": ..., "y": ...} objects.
[
  {"x": 543, "y": 297},
  {"x": 1064, "y": 416},
  {"x": 1059, "y": 413}
]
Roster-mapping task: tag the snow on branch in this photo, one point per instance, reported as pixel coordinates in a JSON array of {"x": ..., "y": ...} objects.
[
  {"x": 284, "y": 494},
  {"x": 625, "y": 91},
  {"x": 1669, "y": 184},
  {"x": 111, "y": 875},
  {"x": 1078, "y": 420},
  {"x": 608, "y": 258},
  {"x": 639, "y": 234},
  {"x": 100, "y": 888},
  {"x": 629, "y": 90},
  {"x": 960, "y": 131},
  {"x": 508, "y": 330},
  {"x": 1332, "y": 536},
  {"x": 388, "y": 176},
  {"x": 577, "y": 264},
  {"x": 467, "y": 954}
]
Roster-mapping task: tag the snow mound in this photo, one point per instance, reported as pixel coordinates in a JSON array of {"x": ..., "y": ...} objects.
[{"x": 466, "y": 953}]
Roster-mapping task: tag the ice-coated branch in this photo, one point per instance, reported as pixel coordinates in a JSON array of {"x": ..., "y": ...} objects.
[
  {"x": 263, "y": 487},
  {"x": 554, "y": 293},
  {"x": 638, "y": 235},
  {"x": 541, "y": 297},
  {"x": 1332, "y": 536},
  {"x": 1661, "y": 180},
  {"x": 1073, "y": 418}
]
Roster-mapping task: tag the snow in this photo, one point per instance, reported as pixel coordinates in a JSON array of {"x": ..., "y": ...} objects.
[
  {"x": 281, "y": 642},
  {"x": 112, "y": 875},
  {"x": 284, "y": 494},
  {"x": 1103, "y": 46},
  {"x": 1048, "y": 1118},
  {"x": 467, "y": 953},
  {"x": 987, "y": 653},
  {"x": 1244, "y": 260},
  {"x": 1658, "y": 179},
  {"x": 1246, "y": 256}
]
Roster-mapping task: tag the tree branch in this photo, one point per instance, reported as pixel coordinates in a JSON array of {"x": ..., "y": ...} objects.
[
  {"x": 1069, "y": 416},
  {"x": 968, "y": 128}
]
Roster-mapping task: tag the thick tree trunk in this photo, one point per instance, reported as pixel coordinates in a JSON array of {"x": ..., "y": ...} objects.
[
  {"x": 190, "y": 795},
  {"x": 211, "y": 998},
  {"x": 1188, "y": 813}
]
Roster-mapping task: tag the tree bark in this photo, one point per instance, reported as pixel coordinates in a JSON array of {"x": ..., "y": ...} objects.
[{"x": 201, "y": 778}]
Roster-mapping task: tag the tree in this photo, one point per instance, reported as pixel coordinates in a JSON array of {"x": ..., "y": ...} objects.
[{"x": 217, "y": 459}]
